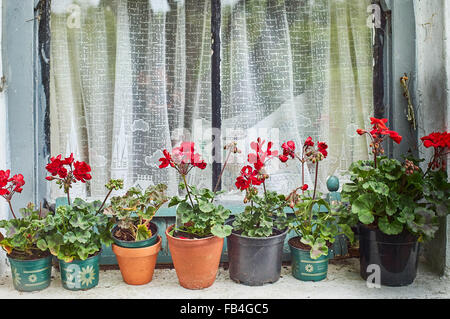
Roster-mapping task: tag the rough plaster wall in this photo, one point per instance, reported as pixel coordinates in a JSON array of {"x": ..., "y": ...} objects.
[
  {"x": 432, "y": 49},
  {"x": 447, "y": 57},
  {"x": 3, "y": 146}
]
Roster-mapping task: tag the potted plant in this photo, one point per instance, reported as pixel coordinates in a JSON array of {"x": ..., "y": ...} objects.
[
  {"x": 396, "y": 205},
  {"x": 255, "y": 245},
  {"x": 196, "y": 240},
  {"x": 31, "y": 267},
  {"x": 136, "y": 241},
  {"x": 314, "y": 222},
  {"x": 76, "y": 232}
]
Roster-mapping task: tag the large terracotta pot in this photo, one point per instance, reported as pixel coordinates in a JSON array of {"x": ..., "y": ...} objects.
[
  {"x": 196, "y": 261},
  {"x": 137, "y": 264}
]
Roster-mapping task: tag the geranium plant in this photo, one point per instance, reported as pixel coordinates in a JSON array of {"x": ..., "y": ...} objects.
[
  {"x": 197, "y": 214},
  {"x": 265, "y": 211},
  {"x": 77, "y": 230},
  {"x": 314, "y": 221},
  {"x": 393, "y": 196},
  {"x": 21, "y": 233},
  {"x": 133, "y": 212}
]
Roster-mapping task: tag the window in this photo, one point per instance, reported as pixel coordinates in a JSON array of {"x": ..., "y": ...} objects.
[{"x": 129, "y": 78}]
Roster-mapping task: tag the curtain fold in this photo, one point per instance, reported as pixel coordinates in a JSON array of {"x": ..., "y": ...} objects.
[
  {"x": 293, "y": 69},
  {"x": 132, "y": 77}
]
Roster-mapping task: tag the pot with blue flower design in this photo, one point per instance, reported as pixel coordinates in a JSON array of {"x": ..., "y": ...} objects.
[
  {"x": 31, "y": 275},
  {"x": 304, "y": 267},
  {"x": 80, "y": 274}
]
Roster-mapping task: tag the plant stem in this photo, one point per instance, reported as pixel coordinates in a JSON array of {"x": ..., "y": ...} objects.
[
  {"x": 303, "y": 176},
  {"x": 221, "y": 172},
  {"x": 187, "y": 189},
  {"x": 315, "y": 180},
  {"x": 68, "y": 197},
  {"x": 104, "y": 201},
  {"x": 12, "y": 210},
  {"x": 375, "y": 159}
]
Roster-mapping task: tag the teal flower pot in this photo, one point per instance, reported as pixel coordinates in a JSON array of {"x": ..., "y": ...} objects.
[
  {"x": 31, "y": 275},
  {"x": 138, "y": 244},
  {"x": 305, "y": 268},
  {"x": 80, "y": 274}
]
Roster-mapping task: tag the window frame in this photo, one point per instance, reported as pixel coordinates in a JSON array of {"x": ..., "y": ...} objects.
[{"x": 26, "y": 61}]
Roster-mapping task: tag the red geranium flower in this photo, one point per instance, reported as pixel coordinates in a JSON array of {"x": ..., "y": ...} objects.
[
  {"x": 182, "y": 158},
  {"x": 379, "y": 124},
  {"x": 56, "y": 167},
  {"x": 283, "y": 158},
  {"x": 18, "y": 182},
  {"x": 288, "y": 149},
  {"x": 436, "y": 139},
  {"x": 322, "y": 146},
  {"x": 81, "y": 171},
  {"x": 260, "y": 157},
  {"x": 309, "y": 142},
  {"x": 166, "y": 160},
  {"x": 440, "y": 141},
  {"x": 248, "y": 177},
  {"x": 304, "y": 187},
  {"x": 361, "y": 131}
]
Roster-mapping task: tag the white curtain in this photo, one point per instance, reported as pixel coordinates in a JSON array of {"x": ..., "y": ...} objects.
[
  {"x": 131, "y": 77},
  {"x": 298, "y": 68}
]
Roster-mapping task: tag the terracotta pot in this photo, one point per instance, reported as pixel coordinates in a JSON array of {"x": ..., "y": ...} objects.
[
  {"x": 137, "y": 264},
  {"x": 196, "y": 261}
]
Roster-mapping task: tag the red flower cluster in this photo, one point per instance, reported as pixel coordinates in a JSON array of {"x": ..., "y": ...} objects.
[
  {"x": 15, "y": 183},
  {"x": 436, "y": 139},
  {"x": 183, "y": 158},
  {"x": 254, "y": 177},
  {"x": 260, "y": 157},
  {"x": 288, "y": 150},
  {"x": 322, "y": 148},
  {"x": 379, "y": 128},
  {"x": 75, "y": 171},
  {"x": 440, "y": 141},
  {"x": 248, "y": 178}
]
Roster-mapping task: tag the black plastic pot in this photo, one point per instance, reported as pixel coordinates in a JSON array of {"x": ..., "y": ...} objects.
[
  {"x": 396, "y": 255},
  {"x": 255, "y": 261}
]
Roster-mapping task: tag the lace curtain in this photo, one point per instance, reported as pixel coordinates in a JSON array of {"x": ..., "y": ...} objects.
[{"x": 132, "y": 77}]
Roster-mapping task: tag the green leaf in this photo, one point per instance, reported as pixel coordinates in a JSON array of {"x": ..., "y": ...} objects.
[
  {"x": 42, "y": 244},
  {"x": 184, "y": 208},
  {"x": 206, "y": 207},
  {"x": 143, "y": 233},
  {"x": 349, "y": 188},
  {"x": 377, "y": 187},
  {"x": 363, "y": 206},
  {"x": 221, "y": 231},
  {"x": 70, "y": 237},
  {"x": 174, "y": 201},
  {"x": 390, "y": 228}
]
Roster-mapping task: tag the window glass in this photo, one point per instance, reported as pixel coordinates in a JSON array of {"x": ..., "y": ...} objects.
[
  {"x": 297, "y": 68},
  {"x": 129, "y": 78},
  {"x": 132, "y": 77}
]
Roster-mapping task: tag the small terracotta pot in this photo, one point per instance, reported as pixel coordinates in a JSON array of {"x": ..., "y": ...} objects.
[
  {"x": 137, "y": 264},
  {"x": 196, "y": 261}
]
